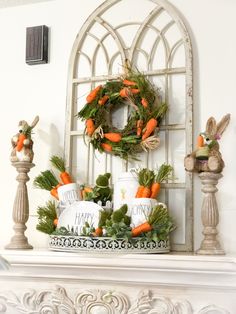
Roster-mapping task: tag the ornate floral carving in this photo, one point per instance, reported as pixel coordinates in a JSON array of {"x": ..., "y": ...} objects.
[
  {"x": 96, "y": 302},
  {"x": 212, "y": 309},
  {"x": 101, "y": 302},
  {"x": 43, "y": 302},
  {"x": 147, "y": 302}
]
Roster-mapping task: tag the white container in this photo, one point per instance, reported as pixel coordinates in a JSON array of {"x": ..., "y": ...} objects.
[
  {"x": 77, "y": 214},
  {"x": 125, "y": 189},
  {"x": 67, "y": 193},
  {"x": 140, "y": 208}
]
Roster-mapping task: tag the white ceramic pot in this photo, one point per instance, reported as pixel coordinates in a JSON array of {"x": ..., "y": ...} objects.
[
  {"x": 125, "y": 189},
  {"x": 67, "y": 193},
  {"x": 77, "y": 214},
  {"x": 140, "y": 208}
]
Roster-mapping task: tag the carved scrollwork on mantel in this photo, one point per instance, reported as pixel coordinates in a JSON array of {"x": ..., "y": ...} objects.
[
  {"x": 147, "y": 301},
  {"x": 96, "y": 302}
]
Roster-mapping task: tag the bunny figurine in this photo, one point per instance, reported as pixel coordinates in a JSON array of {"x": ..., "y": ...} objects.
[
  {"x": 207, "y": 157},
  {"x": 22, "y": 144}
]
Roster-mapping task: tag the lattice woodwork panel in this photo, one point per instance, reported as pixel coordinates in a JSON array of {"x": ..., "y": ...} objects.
[{"x": 154, "y": 39}]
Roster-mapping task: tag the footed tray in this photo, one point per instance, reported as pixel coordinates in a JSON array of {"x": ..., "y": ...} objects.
[{"x": 108, "y": 245}]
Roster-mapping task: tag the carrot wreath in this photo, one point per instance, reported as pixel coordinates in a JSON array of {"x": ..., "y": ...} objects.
[
  {"x": 145, "y": 108},
  {"x": 59, "y": 164},
  {"x": 47, "y": 181},
  {"x": 158, "y": 220}
]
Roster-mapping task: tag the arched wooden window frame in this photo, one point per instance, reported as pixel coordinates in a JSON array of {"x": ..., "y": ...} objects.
[{"x": 74, "y": 81}]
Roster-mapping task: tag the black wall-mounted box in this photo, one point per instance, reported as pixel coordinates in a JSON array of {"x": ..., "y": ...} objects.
[{"x": 36, "y": 45}]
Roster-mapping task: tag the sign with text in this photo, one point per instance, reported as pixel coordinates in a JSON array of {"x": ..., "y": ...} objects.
[
  {"x": 77, "y": 214},
  {"x": 139, "y": 210}
]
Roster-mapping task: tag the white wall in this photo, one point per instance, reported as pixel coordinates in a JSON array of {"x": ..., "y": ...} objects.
[{"x": 27, "y": 91}]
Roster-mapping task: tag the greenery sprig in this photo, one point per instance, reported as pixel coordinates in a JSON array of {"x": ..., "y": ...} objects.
[{"x": 46, "y": 217}]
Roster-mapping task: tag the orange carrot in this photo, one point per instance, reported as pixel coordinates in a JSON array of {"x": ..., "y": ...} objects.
[
  {"x": 98, "y": 232},
  {"x": 93, "y": 94},
  {"x": 139, "y": 191},
  {"x": 113, "y": 137},
  {"x": 65, "y": 177},
  {"x": 20, "y": 142},
  {"x": 146, "y": 192},
  {"x": 103, "y": 100},
  {"x": 155, "y": 189},
  {"x": 144, "y": 227},
  {"x": 107, "y": 147},
  {"x": 86, "y": 190},
  {"x": 90, "y": 127},
  {"x": 55, "y": 221},
  {"x": 139, "y": 127},
  {"x": 54, "y": 193},
  {"x": 200, "y": 141},
  {"x": 134, "y": 90},
  {"x": 144, "y": 102},
  {"x": 129, "y": 83},
  {"x": 150, "y": 127},
  {"x": 124, "y": 92}
]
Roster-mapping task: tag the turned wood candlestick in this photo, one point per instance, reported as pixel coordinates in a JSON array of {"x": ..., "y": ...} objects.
[
  {"x": 20, "y": 213},
  {"x": 210, "y": 215}
]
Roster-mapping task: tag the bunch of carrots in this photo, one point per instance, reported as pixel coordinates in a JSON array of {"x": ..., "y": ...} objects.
[
  {"x": 117, "y": 223},
  {"x": 150, "y": 182},
  {"x": 59, "y": 164},
  {"x": 47, "y": 180},
  {"x": 158, "y": 220}
]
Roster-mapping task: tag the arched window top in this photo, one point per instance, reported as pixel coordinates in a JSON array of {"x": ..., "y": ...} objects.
[{"x": 154, "y": 39}]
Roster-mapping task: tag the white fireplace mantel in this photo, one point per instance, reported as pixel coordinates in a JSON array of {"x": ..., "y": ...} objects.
[{"x": 132, "y": 284}]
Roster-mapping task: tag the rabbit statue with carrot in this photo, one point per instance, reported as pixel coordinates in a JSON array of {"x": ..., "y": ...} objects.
[
  {"x": 207, "y": 157},
  {"x": 22, "y": 144}
]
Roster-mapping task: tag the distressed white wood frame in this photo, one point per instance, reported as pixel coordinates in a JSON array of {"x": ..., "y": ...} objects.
[{"x": 81, "y": 160}]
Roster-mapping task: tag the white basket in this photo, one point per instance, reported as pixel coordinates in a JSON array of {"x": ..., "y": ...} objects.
[{"x": 107, "y": 245}]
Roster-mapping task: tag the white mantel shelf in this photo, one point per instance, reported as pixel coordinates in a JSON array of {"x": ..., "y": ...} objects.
[
  {"x": 207, "y": 283},
  {"x": 177, "y": 269}
]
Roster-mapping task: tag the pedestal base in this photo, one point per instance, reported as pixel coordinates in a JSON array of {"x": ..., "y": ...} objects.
[
  {"x": 210, "y": 252},
  {"x": 15, "y": 244},
  {"x": 20, "y": 213},
  {"x": 210, "y": 215}
]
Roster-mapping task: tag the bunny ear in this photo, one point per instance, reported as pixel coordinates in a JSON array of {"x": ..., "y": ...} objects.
[
  {"x": 221, "y": 126},
  {"x": 211, "y": 127},
  {"x": 36, "y": 120}
]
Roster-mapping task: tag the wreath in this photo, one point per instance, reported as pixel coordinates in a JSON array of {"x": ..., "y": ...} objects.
[{"x": 145, "y": 109}]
